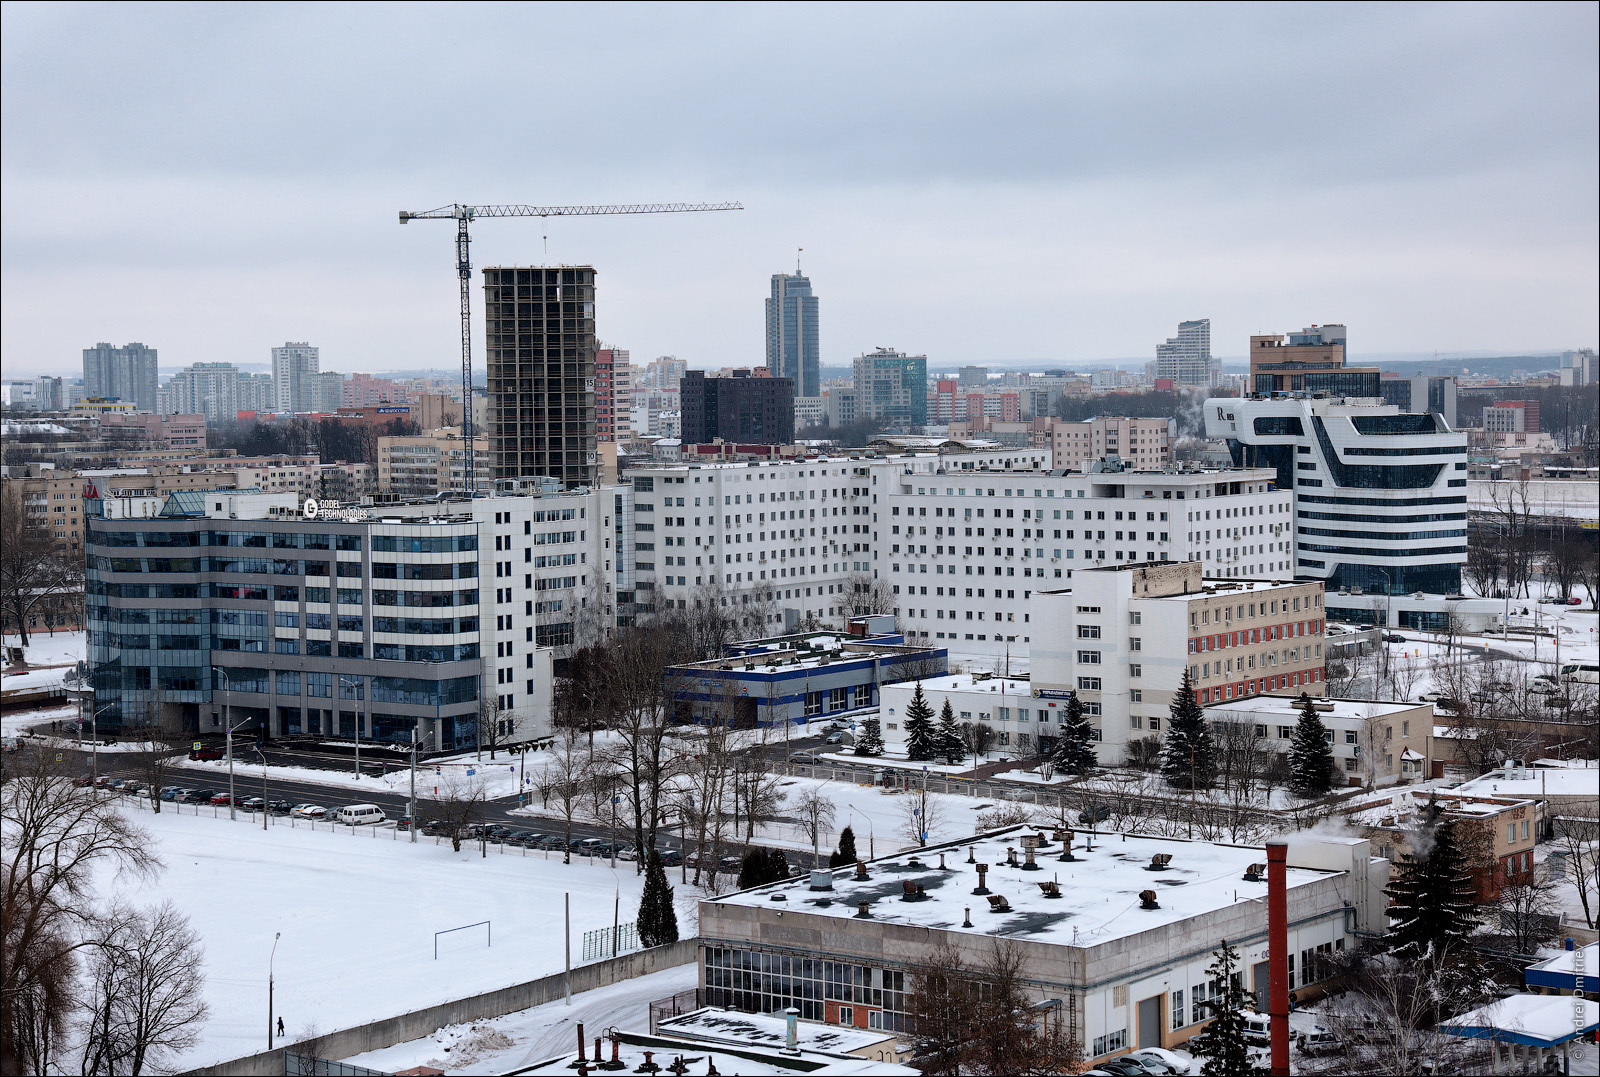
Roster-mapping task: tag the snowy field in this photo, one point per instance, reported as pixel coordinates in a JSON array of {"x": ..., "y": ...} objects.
[
  {"x": 519, "y": 1039},
  {"x": 47, "y": 649},
  {"x": 357, "y": 913}
]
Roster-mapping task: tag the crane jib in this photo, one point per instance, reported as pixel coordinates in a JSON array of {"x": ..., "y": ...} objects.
[{"x": 463, "y": 215}]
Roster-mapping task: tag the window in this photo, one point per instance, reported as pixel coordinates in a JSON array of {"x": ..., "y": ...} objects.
[
  {"x": 1089, "y": 684},
  {"x": 1135, "y": 695},
  {"x": 1088, "y": 631},
  {"x": 1111, "y": 1041},
  {"x": 1136, "y": 670},
  {"x": 1135, "y": 618},
  {"x": 863, "y": 695},
  {"x": 1089, "y": 658},
  {"x": 1177, "y": 1008}
]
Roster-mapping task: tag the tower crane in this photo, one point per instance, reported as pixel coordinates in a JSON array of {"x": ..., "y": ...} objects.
[{"x": 463, "y": 216}]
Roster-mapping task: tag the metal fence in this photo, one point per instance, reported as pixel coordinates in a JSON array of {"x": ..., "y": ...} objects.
[{"x": 610, "y": 941}]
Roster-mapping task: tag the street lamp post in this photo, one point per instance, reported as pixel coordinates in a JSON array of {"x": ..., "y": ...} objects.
[
  {"x": 1388, "y": 616},
  {"x": 232, "y": 806},
  {"x": 361, "y": 699},
  {"x": 94, "y": 736},
  {"x": 276, "y": 935},
  {"x": 411, "y": 805}
]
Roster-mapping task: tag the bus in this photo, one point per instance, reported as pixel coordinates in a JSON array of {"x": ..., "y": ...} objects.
[{"x": 1581, "y": 673}]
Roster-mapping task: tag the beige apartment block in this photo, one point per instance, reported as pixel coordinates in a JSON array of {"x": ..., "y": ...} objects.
[{"x": 1141, "y": 443}]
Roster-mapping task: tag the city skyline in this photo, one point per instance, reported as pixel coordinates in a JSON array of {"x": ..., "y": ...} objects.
[{"x": 1088, "y": 243}]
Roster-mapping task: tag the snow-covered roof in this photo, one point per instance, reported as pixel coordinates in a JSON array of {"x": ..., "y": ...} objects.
[
  {"x": 1537, "y": 1020},
  {"x": 970, "y": 682},
  {"x": 714, "y": 1024},
  {"x": 1289, "y": 707},
  {"x": 1536, "y": 782},
  {"x": 1560, "y": 971},
  {"x": 630, "y": 1048},
  {"x": 1100, "y": 890}
]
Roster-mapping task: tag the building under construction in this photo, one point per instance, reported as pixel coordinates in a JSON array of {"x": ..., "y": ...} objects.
[{"x": 540, "y": 340}]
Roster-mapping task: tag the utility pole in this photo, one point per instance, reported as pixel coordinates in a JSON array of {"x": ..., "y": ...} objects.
[{"x": 411, "y": 805}]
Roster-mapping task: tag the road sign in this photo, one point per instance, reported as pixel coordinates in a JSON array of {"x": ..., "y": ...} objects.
[{"x": 197, "y": 746}]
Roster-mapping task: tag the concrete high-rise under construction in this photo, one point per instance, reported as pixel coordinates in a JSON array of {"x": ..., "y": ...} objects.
[{"x": 540, "y": 341}]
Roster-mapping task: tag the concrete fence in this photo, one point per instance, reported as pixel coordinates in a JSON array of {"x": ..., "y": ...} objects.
[{"x": 389, "y": 1031}]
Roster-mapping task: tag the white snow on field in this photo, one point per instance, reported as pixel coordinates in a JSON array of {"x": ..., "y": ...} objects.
[
  {"x": 49, "y": 649},
  {"x": 357, "y": 911},
  {"x": 537, "y": 1034},
  {"x": 16, "y": 722}
]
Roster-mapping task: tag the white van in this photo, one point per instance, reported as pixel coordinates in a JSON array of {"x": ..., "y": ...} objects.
[
  {"x": 360, "y": 814},
  {"x": 1257, "y": 1028}
]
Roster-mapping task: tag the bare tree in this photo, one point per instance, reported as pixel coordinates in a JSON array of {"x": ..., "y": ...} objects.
[
  {"x": 1388, "y": 1019},
  {"x": 1529, "y": 913},
  {"x": 156, "y": 740},
  {"x": 56, "y": 836},
  {"x": 981, "y": 1018},
  {"x": 866, "y": 594},
  {"x": 568, "y": 778},
  {"x": 1578, "y": 840},
  {"x": 32, "y": 572},
  {"x": 492, "y": 725},
  {"x": 816, "y": 813},
  {"x": 757, "y": 795},
  {"x": 458, "y": 802},
  {"x": 146, "y": 1001},
  {"x": 923, "y": 812},
  {"x": 645, "y": 748}
]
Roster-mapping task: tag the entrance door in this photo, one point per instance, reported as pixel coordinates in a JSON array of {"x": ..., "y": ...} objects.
[
  {"x": 1261, "y": 976},
  {"x": 1150, "y": 1021}
]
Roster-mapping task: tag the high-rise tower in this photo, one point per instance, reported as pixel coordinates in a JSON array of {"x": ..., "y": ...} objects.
[
  {"x": 293, "y": 368},
  {"x": 792, "y": 348},
  {"x": 126, "y": 373},
  {"x": 540, "y": 341},
  {"x": 1186, "y": 358}
]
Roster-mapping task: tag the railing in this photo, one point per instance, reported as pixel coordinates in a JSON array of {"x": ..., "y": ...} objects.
[{"x": 610, "y": 941}]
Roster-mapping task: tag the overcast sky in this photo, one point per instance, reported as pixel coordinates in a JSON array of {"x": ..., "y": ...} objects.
[{"x": 979, "y": 183}]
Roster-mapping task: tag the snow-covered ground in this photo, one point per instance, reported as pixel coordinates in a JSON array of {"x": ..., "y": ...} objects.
[
  {"x": 520, "y": 1039},
  {"x": 357, "y": 911},
  {"x": 49, "y": 649}
]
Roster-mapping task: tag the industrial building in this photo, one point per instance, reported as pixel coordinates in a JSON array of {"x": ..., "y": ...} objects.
[
  {"x": 1115, "y": 930},
  {"x": 1374, "y": 743},
  {"x": 798, "y": 678}
]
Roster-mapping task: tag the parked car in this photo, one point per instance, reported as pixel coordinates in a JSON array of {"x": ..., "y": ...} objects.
[
  {"x": 552, "y": 841},
  {"x": 198, "y": 796},
  {"x": 589, "y": 846},
  {"x": 83, "y": 782},
  {"x": 1394, "y": 637},
  {"x": 1574, "y": 601},
  {"x": 670, "y": 858},
  {"x": 627, "y": 852},
  {"x": 1174, "y": 1062},
  {"x": 1124, "y": 1067},
  {"x": 173, "y": 792},
  {"x": 807, "y": 758},
  {"x": 210, "y": 751},
  {"x": 833, "y": 738},
  {"x": 280, "y": 807},
  {"x": 729, "y": 863},
  {"x": 433, "y": 828},
  {"x": 1318, "y": 1041},
  {"x": 134, "y": 789},
  {"x": 311, "y": 811},
  {"x": 1095, "y": 813},
  {"x": 102, "y": 781},
  {"x": 1432, "y": 697},
  {"x": 253, "y": 804},
  {"x": 360, "y": 815},
  {"x": 116, "y": 783},
  {"x": 221, "y": 798}
]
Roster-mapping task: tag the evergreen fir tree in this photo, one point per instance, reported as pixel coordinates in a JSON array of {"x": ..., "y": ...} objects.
[
  {"x": 870, "y": 742},
  {"x": 920, "y": 743},
  {"x": 777, "y": 866},
  {"x": 1222, "y": 1043},
  {"x": 658, "y": 919},
  {"x": 1189, "y": 756},
  {"x": 756, "y": 869},
  {"x": 846, "y": 853},
  {"x": 1074, "y": 752},
  {"x": 1310, "y": 757},
  {"x": 1432, "y": 897},
  {"x": 948, "y": 737}
]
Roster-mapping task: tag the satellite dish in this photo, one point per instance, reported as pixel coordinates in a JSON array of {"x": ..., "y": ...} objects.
[{"x": 311, "y": 508}]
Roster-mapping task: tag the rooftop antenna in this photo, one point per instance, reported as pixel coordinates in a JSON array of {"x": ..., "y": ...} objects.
[{"x": 797, "y": 252}]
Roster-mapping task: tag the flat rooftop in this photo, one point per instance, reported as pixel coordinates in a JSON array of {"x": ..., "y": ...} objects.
[
  {"x": 1536, "y": 782},
  {"x": 1099, "y": 900},
  {"x": 715, "y": 1025},
  {"x": 971, "y": 682},
  {"x": 634, "y": 1050},
  {"x": 1288, "y": 707}
]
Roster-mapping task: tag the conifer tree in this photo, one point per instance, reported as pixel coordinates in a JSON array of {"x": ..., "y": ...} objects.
[
  {"x": 870, "y": 742},
  {"x": 761, "y": 866},
  {"x": 1189, "y": 756},
  {"x": 1310, "y": 758},
  {"x": 846, "y": 853},
  {"x": 950, "y": 744},
  {"x": 1074, "y": 752},
  {"x": 1222, "y": 1043},
  {"x": 920, "y": 738},
  {"x": 658, "y": 919},
  {"x": 1432, "y": 897}
]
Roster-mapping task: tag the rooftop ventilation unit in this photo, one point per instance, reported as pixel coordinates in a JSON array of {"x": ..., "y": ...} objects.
[
  {"x": 1159, "y": 862},
  {"x": 1147, "y": 900},
  {"x": 1253, "y": 873}
]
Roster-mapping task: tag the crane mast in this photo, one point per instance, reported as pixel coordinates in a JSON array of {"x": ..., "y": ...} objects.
[{"x": 463, "y": 216}]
